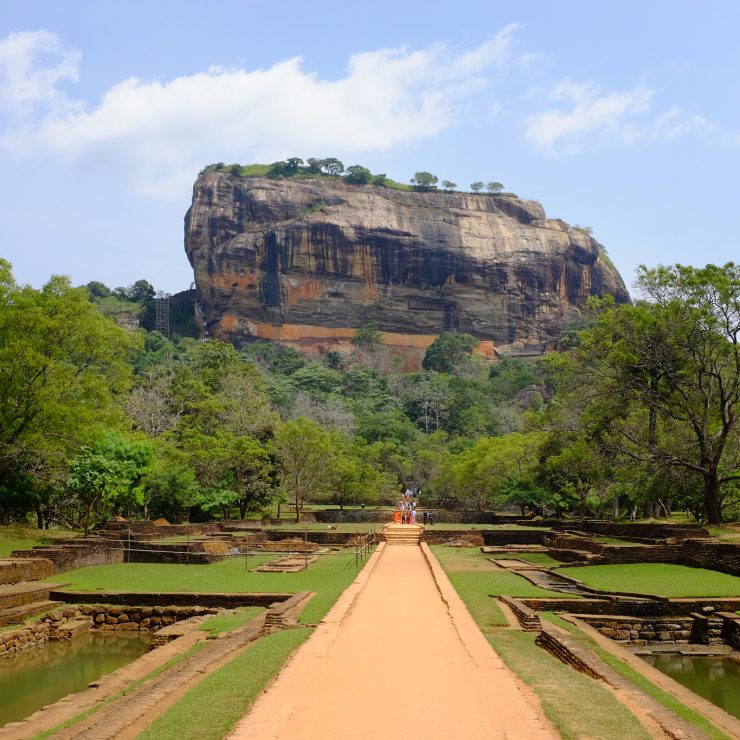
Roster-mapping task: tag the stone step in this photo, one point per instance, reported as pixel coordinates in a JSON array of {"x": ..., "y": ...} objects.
[
  {"x": 402, "y": 534},
  {"x": 17, "y": 614},
  {"x": 25, "y": 592}
]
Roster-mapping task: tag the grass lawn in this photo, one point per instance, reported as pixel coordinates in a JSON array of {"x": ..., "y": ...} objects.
[
  {"x": 616, "y": 541},
  {"x": 726, "y": 532},
  {"x": 476, "y": 579},
  {"x": 328, "y": 577},
  {"x": 536, "y": 558},
  {"x": 361, "y": 527},
  {"x": 15, "y": 537},
  {"x": 226, "y": 695},
  {"x": 576, "y": 705},
  {"x": 226, "y": 622},
  {"x": 661, "y": 579}
]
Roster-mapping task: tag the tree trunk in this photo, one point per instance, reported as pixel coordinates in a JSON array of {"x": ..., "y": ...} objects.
[
  {"x": 39, "y": 516},
  {"x": 615, "y": 507},
  {"x": 711, "y": 498}
]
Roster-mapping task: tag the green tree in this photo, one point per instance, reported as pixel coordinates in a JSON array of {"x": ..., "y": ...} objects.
[
  {"x": 332, "y": 166},
  {"x": 674, "y": 362},
  {"x": 348, "y": 480},
  {"x": 314, "y": 165},
  {"x": 427, "y": 400},
  {"x": 253, "y": 470},
  {"x": 448, "y": 350},
  {"x": 494, "y": 187},
  {"x": 448, "y": 185},
  {"x": 476, "y": 186},
  {"x": 98, "y": 290},
  {"x": 358, "y": 175},
  {"x": 305, "y": 451},
  {"x": 140, "y": 292},
  {"x": 574, "y": 469},
  {"x": 170, "y": 487},
  {"x": 367, "y": 336},
  {"x": 62, "y": 365},
  {"x": 424, "y": 181},
  {"x": 94, "y": 480}
]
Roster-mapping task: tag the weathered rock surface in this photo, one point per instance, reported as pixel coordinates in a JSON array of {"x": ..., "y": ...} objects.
[{"x": 310, "y": 261}]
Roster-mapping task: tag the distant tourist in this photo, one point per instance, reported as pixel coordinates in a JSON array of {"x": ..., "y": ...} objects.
[{"x": 426, "y": 517}]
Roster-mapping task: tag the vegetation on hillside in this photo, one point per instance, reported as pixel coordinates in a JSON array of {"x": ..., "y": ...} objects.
[
  {"x": 636, "y": 416},
  {"x": 333, "y": 169}
]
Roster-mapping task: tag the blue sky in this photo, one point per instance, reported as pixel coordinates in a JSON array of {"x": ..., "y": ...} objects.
[{"x": 621, "y": 116}]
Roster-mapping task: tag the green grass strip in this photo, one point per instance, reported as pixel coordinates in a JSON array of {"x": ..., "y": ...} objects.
[
  {"x": 327, "y": 577},
  {"x": 227, "y": 622},
  {"x": 536, "y": 558},
  {"x": 578, "y": 706},
  {"x": 661, "y": 579},
  {"x": 211, "y": 709}
]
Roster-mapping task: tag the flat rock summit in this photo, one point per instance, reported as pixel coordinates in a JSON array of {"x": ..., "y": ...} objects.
[{"x": 308, "y": 261}]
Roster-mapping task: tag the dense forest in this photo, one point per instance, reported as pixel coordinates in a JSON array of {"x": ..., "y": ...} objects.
[{"x": 635, "y": 416}]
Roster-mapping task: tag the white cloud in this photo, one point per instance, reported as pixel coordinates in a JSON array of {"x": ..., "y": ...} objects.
[
  {"x": 162, "y": 132},
  {"x": 675, "y": 123},
  {"x": 588, "y": 117},
  {"x": 32, "y": 64}
]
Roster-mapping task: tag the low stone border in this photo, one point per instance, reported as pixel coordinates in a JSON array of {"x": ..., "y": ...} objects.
[
  {"x": 285, "y": 613},
  {"x": 528, "y": 619},
  {"x": 717, "y": 716},
  {"x": 176, "y": 598},
  {"x": 641, "y": 630},
  {"x": 566, "y": 649}
]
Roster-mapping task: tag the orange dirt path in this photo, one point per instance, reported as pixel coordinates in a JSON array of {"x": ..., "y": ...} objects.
[{"x": 397, "y": 657}]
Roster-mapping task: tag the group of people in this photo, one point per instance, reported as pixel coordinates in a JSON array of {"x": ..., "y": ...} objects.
[{"x": 406, "y": 509}]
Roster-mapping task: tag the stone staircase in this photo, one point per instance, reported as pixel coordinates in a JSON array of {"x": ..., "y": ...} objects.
[
  {"x": 18, "y": 601},
  {"x": 402, "y": 534}
]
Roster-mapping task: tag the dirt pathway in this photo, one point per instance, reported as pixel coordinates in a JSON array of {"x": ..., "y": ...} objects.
[{"x": 398, "y": 656}]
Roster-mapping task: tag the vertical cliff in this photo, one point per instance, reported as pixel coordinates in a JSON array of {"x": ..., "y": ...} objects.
[{"x": 309, "y": 261}]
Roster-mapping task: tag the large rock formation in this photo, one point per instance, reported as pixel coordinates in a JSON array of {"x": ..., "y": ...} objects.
[{"x": 309, "y": 261}]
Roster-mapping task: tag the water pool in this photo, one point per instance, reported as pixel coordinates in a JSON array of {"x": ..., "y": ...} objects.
[
  {"x": 716, "y": 679},
  {"x": 43, "y": 674}
]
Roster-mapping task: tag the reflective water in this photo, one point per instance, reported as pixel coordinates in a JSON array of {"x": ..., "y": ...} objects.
[
  {"x": 716, "y": 679},
  {"x": 40, "y": 675}
]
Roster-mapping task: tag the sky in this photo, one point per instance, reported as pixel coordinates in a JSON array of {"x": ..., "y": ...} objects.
[{"x": 621, "y": 116}]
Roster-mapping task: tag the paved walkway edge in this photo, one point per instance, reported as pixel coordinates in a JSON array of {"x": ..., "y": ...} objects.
[
  {"x": 477, "y": 646},
  {"x": 325, "y": 633}
]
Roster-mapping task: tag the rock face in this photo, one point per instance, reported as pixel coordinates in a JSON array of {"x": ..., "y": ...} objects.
[{"x": 309, "y": 261}]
